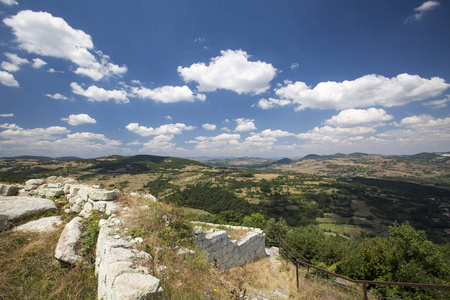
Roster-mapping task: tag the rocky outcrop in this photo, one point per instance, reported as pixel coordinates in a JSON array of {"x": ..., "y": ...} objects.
[
  {"x": 66, "y": 249},
  {"x": 14, "y": 208},
  {"x": 41, "y": 225},
  {"x": 118, "y": 267},
  {"x": 225, "y": 253}
]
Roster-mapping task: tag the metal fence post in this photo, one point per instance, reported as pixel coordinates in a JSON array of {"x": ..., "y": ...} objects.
[{"x": 296, "y": 267}]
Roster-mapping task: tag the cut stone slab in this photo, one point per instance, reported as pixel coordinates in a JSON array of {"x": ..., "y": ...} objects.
[
  {"x": 19, "y": 207},
  {"x": 66, "y": 248},
  {"x": 103, "y": 195},
  {"x": 41, "y": 225}
]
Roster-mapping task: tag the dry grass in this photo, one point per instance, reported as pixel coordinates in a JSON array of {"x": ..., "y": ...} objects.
[
  {"x": 28, "y": 269},
  {"x": 268, "y": 275}
]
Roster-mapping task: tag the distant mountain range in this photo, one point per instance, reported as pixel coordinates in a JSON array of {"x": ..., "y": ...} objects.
[{"x": 255, "y": 162}]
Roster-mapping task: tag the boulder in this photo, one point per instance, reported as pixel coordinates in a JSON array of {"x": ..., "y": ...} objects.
[
  {"x": 34, "y": 182},
  {"x": 19, "y": 207},
  {"x": 41, "y": 225},
  {"x": 4, "y": 224},
  {"x": 66, "y": 248},
  {"x": 102, "y": 195},
  {"x": 8, "y": 190}
]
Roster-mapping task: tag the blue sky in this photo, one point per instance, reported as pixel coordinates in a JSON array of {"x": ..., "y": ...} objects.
[{"x": 224, "y": 78}]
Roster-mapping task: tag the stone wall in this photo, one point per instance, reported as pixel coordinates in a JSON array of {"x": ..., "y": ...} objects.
[{"x": 225, "y": 253}]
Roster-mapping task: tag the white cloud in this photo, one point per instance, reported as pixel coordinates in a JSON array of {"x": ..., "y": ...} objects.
[
  {"x": 55, "y": 141},
  {"x": 159, "y": 143},
  {"x": 57, "y": 96},
  {"x": 20, "y": 134},
  {"x": 216, "y": 142},
  {"x": 424, "y": 122},
  {"x": 6, "y": 115},
  {"x": 162, "y": 130},
  {"x": 271, "y": 103},
  {"x": 294, "y": 66},
  {"x": 208, "y": 126},
  {"x": 359, "y": 117},
  {"x": 9, "y": 2},
  {"x": 136, "y": 82},
  {"x": 232, "y": 71},
  {"x": 165, "y": 94},
  {"x": 41, "y": 33},
  {"x": 168, "y": 118},
  {"x": 9, "y": 126},
  {"x": 421, "y": 10},
  {"x": 8, "y": 79},
  {"x": 366, "y": 91},
  {"x": 438, "y": 103},
  {"x": 334, "y": 134},
  {"x": 96, "y": 94},
  {"x": 79, "y": 119},
  {"x": 38, "y": 63},
  {"x": 245, "y": 124},
  {"x": 275, "y": 133},
  {"x": 51, "y": 70},
  {"x": 225, "y": 129},
  {"x": 15, "y": 62}
]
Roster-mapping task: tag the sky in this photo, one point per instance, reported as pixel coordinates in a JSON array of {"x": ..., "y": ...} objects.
[{"x": 212, "y": 78}]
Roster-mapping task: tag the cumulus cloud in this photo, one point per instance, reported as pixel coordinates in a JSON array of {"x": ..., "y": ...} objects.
[
  {"x": 164, "y": 94},
  {"x": 421, "y": 10},
  {"x": 275, "y": 133},
  {"x": 167, "y": 129},
  {"x": 8, "y": 79},
  {"x": 424, "y": 122},
  {"x": 79, "y": 119},
  {"x": 55, "y": 141},
  {"x": 271, "y": 103},
  {"x": 334, "y": 134},
  {"x": 438, "y": 103},
  {"x": 215, "y": 142},
  {"x": 15, "y": 62},
  {"x": 160, "y": 143},
  {"x": 43, "y": 34},
  {"x": 359, "y": 117},
  {"x": 231, "y": 71},
  {"x": 96, "y": 94},
  {"x": 57, "y": 96},
  {"x": 294, "y": 66},
  {"x": 208, "y": 126},
  {"x": 245, "y": 124},
  {"x": 168, "y": 117},
  {"x": 6, "y": 115},
  {"x": 225, "y": 129},
  {"x": 366, "y": 91},
  {"x": 9, "y": 2},
  {"x": 38, "y": 63}
]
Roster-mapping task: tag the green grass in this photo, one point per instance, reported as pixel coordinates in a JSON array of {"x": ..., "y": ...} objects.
[{"x": 28, "y": 269}]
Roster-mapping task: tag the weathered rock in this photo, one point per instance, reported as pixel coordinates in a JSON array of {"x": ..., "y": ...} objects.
[
  {"x": 150, "y": 198},
  {"x": 66, "y": 247},
  {"x": 36, "y": 182},
  {"x": 41, "y": 225},
  {"x": 4, "y": 224},
  {"x": 19, "y": 207},
  {"x": 8, "y": 190},
  {"x": 131, "y": 286},
  {"x": 116, "y": 267},
  {"x": 86, "y": 210},
  {"x": 102, "y": 195}
]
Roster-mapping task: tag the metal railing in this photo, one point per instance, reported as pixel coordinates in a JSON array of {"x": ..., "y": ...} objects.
[{"x": 293, "y": 255}]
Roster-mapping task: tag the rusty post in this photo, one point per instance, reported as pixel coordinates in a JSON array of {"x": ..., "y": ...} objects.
[
  {"x": 365, "y": 291},
  {"x": 296, "y": 267}
]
